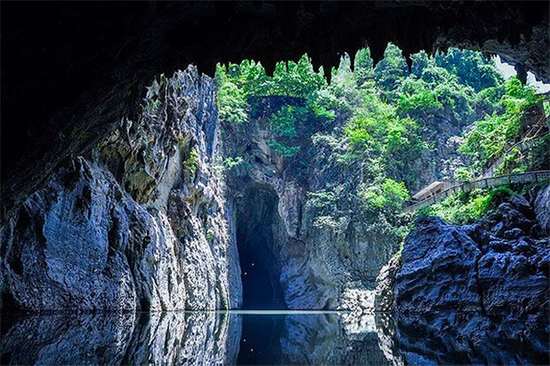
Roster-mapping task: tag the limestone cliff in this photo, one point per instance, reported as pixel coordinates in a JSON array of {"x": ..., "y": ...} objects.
[
  {"x": 328, "y": 254},
  {"x": 476, "y": 293},
  {"x": 136, "y": 222}
]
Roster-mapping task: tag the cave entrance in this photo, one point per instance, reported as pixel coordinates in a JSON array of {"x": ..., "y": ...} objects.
[{"x": 259, "y": 228}]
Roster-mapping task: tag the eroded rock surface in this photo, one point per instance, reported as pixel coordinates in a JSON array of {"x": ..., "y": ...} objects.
[
  {"x": 328, "y": 256},
  {"x": 148, "y": 217},
  {"x": 137, "y": 223},
  {"x": 476, "y": 293},
  {"x": 385, "y": 285}
]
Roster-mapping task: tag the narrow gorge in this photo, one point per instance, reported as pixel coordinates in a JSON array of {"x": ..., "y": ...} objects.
[
  {"x": 168, "y": 226},
  {"x": 386, "y": 205}
]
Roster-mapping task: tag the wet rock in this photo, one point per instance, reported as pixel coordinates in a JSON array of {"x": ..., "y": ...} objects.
[
  {"x": 471, "y": 302},
  {"x": 436, "y": 268},
  {"x": 521, "y": 204},
  {"x": 512, "y": 233},
  {"x": 513, "y": 218}
]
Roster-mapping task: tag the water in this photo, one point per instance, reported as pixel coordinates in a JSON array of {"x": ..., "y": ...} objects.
[{"x": 198, "y": 338}]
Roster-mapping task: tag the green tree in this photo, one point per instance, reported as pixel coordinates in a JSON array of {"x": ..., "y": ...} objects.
[{"x": 391, "y": 71}]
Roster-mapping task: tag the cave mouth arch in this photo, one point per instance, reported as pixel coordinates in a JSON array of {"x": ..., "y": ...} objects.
[{"x": 259, "y": 232}]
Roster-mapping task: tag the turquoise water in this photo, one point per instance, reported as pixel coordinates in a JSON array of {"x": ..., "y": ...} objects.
[{"x": 198, "y": 338}]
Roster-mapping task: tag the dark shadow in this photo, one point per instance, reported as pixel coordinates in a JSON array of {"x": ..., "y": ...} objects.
[{"x": 258, "y": 227}]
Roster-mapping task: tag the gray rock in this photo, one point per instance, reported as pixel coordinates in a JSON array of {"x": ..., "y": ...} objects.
[
  {"x": 521, "y": 204},
  {"x": 512, "y": 233},
  {"x": 386, "y": 284},
  {"x": 512, "y": 218},
  {"x": 473, "y": 303},
  {"x": 542, "y": 209},
  {"x": 139, "y": 223}
]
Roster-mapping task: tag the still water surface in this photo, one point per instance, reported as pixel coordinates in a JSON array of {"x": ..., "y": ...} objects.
[{"x": 198, "y": 338}]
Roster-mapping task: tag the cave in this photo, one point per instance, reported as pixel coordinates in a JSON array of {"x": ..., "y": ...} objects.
[
  {"x": 258, "y": 235},
  {"x": 303, "y": 201}
]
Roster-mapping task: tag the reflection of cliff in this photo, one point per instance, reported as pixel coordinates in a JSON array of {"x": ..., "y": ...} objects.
[
  {"x": 198, "y": 338},
  {"x": 331, "y": 338},
  {"x": 160, "y": 338}
]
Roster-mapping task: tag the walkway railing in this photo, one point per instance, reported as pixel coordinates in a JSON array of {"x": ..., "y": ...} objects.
[
  {"x": 519, "y": 178},
  {"x": 522, "y": 146}
]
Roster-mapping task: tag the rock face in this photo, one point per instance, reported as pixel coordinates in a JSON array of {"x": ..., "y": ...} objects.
[
  {"x": 151, "y": 218},
  {"x": 137, "y": 223},
  {"x": 385, "y": 284},
  {"x": 327, "y": 257},
  {"x": 88, "y": 84},
  {"x": 542, "y": 209},
  {"x": 476, "y": 293}
]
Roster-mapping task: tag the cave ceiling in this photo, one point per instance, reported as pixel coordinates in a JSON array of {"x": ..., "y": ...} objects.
[{"x": 83, "y": 65}]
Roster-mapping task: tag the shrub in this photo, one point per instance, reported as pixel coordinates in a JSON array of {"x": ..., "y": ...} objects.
[
  {"x": 191, "y": 164},
  {"x": 389, "y": 195},
  {"x": 461, "y": 208},
  {"x": 232, "y": 162},
  {"x": 283, "y": 150},
  {"x": 321, "y": 198}
]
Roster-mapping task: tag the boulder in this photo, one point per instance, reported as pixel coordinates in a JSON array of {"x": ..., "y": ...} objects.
[{"x": 467, "y": 296}]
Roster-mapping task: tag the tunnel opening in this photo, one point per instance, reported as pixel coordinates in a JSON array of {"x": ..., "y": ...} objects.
[{"x": 258, "y": 234}]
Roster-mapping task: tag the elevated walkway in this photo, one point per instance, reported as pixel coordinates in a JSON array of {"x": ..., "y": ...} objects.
[{"x": 519, "y": 178}]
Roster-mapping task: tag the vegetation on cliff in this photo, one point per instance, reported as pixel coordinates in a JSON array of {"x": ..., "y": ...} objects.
[{"x": 388, "y": 129}]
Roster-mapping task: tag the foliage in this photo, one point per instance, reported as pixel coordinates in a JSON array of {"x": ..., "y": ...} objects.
[
  {"x": 231, "y": 100},
  {"x": 417, "y": 96},
  {"x": 363, "y": 67},
  {"x": 463, "y": 174},
  {"x": 488, "y": 138},
  {"x": 461, "y": 208},
  {"x": 320, "y": 199},
  {"x": 382, "y": 126},
  {"x": 391, "y": 71},
  {"x": 389, "y": 195},
  {"x": 283, "y": 150},
  {"x": 232, "y": 162},
  {"x": 191, "y": 164},
  {"x": 296, "y": 79},
  {"x": 471, "y": 68},
  {"x": 284, "y": 121}
]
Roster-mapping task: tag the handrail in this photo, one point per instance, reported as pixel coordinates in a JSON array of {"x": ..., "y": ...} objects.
[
  {"x": 514, "y": 178},
  {"x": 523, "y": 144}
]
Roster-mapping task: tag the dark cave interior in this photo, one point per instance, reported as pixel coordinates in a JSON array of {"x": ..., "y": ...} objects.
[{"x": 257, "y": 224}]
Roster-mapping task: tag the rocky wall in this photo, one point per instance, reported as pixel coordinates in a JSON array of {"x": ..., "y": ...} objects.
[{"x": 139, "y": 223}]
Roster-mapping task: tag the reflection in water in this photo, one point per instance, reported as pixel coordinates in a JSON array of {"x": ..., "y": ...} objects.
[
  {"x": 247, "y": 337},
  {"x": 310, "y": 338},
  {"x": 128, "y": 338},
  {"x": 201, "y": 338}
]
